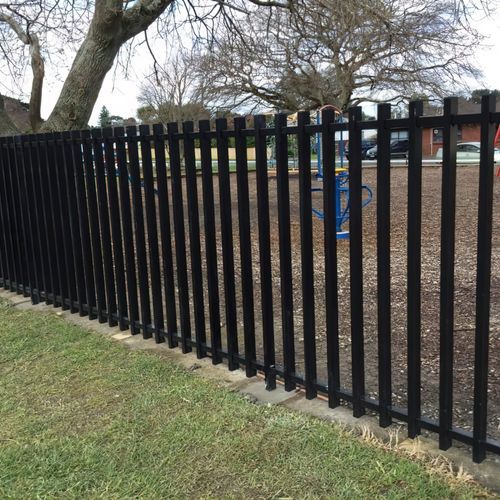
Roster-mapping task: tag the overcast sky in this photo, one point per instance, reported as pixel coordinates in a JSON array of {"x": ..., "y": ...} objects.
[{"x": 119, "y": 95}]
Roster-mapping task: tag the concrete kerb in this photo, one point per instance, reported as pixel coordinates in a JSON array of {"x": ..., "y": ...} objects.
[{"x": 458, "y": 457}]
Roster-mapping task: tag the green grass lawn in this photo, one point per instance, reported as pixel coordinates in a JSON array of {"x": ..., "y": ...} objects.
[{"x": 84, "y": 416}]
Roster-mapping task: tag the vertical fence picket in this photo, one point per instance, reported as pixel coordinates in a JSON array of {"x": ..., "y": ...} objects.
[
  {"x": 283, "y": 197},
  {"x": 165, "y": 234},
  {"x": 180, "y": 236},
  {"x": 483, "y": 280},
  {"x": 384, "y": 263},
  {"x": 51, "y": 157},
  {"x": 414, "y": 256},
  {"x": 40, "y": 184},
  {"x": 194, "y": 239},
  {"x": 227, "y": 242},
  {"x": 154, "y": 258},
  {"x": 139, "y": 235},
  {"x": 127, "y": 231},
  {"x": 245, "y": 246},
  {"x": 103, "y": 216},
  {"x": 69, "y": 150},
  {"x": 31, "y": 200},
  {"x": 210, "y": 240},
  {"x": 448, "y": 202},
  {"x": 18, "y": 192},
  {"x": 9, "y": 223},
  {"x": 5, "y": 222},
  {"x": 95, "y": 235},
  {"x": 266, "y": 282},
  {"x": 116, "y": 234},
  {"x": 356, "y": 263},
  {"x": 331, "y": 273},
  {"x": 306, "y": 248},
  {"x": 83, "y": 222},
  {"x": 12, "y": 217}
]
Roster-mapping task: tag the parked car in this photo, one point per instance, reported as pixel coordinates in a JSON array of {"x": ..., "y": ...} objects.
[
  {"x": 365, "y": 146},
  {"x": 399, "y": 149},
  {"x": 468, "y": 152}
]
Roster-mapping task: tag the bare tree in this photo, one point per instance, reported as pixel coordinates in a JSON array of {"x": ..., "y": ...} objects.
[
  {"x": 41, "y": 30},
  {"x": 343, "y": 52},
  {"x": 173, "y": 91}
]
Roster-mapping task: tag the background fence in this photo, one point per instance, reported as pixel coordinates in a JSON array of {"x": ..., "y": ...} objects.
[{"x": 107, "y": 224}]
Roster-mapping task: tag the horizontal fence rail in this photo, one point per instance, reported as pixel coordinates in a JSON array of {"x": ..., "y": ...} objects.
[{"x": 130, "y": 227}]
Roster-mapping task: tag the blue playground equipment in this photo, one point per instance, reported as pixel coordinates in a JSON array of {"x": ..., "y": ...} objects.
[
  {"x": 342, "y": 204},
  {"x": 342, "y": 201}
]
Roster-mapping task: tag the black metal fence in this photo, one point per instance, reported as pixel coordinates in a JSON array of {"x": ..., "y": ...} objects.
[{"x": 96, "y": 222}]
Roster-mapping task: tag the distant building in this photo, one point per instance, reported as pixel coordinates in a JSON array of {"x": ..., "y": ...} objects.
[
  {"x": 432, "y": 138},
  {"x": 14, "y": 116}
]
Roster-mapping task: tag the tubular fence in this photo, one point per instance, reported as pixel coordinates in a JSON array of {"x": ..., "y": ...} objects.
[{"x": 128, "y": 229}]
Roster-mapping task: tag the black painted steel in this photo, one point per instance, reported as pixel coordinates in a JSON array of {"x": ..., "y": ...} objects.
[
  {"x": 95, "y": 233},
  {"x": 283, "y": 194},
  {"x": 226, "y": 220},
  {"x": 115, "y": 227},
  {"x": 180, "y": 236},
  {"x": 194, "y": 239},
  {"x": 40, "y": 180},
  {"x": 210, "y": 241},
  {"x": 152, "y": 237},
  {"x": 331, "y": 274},
  {"x": 483, "y": 283},
  {"x": 165, "y": 234},
  {"x": 83, "y": 221},
  {"x": 384, "y": 262},
  {"x": 78, "y": 281},
  {"x": 127, "y": 229},
  {"x": 29, "y": 204},
  {"x": 356, "y": 262},
  {"x": 446, "y": 323},
  {"x": 245, "y": 246},
  {"x": 105, "y": 233},
  {"x": 414, "y": 256},
  {"x": 266, "y": 282},
  {"x": 306, "y": 247},
  {"x": 135, "y": 180},
  {"x": 68, "y": 288}
]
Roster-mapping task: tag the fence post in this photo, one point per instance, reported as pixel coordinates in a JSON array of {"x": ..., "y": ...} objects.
[
  {"x": 331, "y": 274},
  {"x": 484, "y": 234},
  {"x": 448, "y": 197},
  {"x": 414, "y": 267},
  {"x": 306, "y": 247},
  {"x": 356, "y": 262},
  {"x": 384, "y": 262}
]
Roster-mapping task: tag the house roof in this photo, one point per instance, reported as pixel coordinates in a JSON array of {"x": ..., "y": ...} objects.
[{"x": 14, "y": 116}]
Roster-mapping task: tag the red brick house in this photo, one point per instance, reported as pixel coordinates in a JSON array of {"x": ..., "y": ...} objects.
[{"x": 432, "y": 138}]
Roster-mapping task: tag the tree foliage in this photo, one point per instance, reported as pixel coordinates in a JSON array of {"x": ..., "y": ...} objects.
[{"x": 342, "y": 52}]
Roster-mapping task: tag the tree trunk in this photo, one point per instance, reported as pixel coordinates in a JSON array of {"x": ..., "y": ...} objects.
[
  {"x": 110, "y": 28},
  {"x": 81, "y": 88}
]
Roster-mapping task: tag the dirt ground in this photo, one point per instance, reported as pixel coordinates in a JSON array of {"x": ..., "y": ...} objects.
[{"x": 465, "y": 274}]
